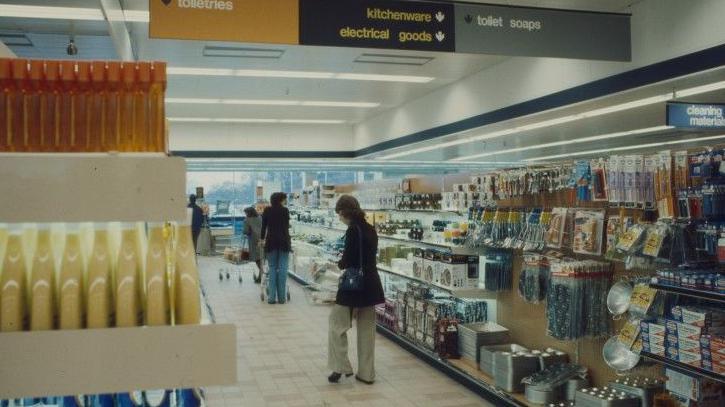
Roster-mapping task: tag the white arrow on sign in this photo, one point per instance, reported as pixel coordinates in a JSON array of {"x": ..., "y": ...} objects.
[
  {"x": 440, "y": 36},
  {"x": 440, "y": 16}
]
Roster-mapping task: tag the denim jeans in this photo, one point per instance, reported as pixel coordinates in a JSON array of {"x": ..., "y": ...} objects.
[{"x": 277, "y": 265}]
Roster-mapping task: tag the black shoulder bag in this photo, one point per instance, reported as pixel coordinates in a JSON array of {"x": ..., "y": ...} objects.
[{"x": 352, "y": 279}]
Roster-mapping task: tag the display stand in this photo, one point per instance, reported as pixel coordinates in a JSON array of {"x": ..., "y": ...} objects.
[{"x": 105, "y": 188}]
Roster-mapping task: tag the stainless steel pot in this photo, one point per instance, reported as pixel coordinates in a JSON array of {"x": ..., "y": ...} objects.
[
  {"x": 617, "y": 356},
  {"x": 618, "y": 299}
]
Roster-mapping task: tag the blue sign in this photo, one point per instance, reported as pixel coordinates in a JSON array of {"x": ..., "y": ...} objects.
[{"x": 696, "y": 115}]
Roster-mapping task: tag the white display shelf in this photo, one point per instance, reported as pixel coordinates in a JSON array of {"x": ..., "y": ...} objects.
[
  {"x": 329, "y": 256},
  {"x": 92, "y": 187},
  {"x": 477, "y": 293},
  {"x": 100, "y": 361},
  {"x": 419, "y": 243}
]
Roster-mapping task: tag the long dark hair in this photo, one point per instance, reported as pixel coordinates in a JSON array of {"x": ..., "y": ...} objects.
[
  {"x": 277, "y": 198},
  {"x": 349, "y": 207},
  {"x": 251, "y": 212}
]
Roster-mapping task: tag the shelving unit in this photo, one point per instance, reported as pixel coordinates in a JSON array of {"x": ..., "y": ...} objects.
[
  {"x": 453, "y": 369},
  {"x": 99, "y": 361},
  {"x": 689, "y": 292},
  {"x": 453, "y": 249},
  {"x": 684, "y": 368},
  {"x": 456, "y": 292},
  {"x": 90, "y": 187}
]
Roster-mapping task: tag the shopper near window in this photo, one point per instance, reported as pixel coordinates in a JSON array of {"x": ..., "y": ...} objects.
[
  {"x": 253, "y": 231},
  {"x": 359, "y": 304},
  {"x": 275, "y": 232},
  {"x": 197, "y": 219}
]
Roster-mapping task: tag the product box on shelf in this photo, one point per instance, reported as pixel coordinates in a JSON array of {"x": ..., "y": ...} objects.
[
  {"x": 682, "y": 330},
  {"x": 653, "y": 329},
  {"x": 699, "y": 316},
  {"x": 653, "y": 339},
  {"x": 690, "y": 358},
  {"x": 419, "y": 263},
  {"x": 683, "y": 344},
  {"x": 654, "y": 348},
  {"x": 713, "y": 346},
  {"x": 431, "y": 265}
]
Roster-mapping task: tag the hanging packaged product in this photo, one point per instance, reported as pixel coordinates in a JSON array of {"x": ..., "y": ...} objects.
[
  {"x": 557, "y": 227},
  {"x": 664, "y": 186},
  {"x": 655, "y": 239},
  {"x": 629, "y": 333},
  {"x": 582, "y": 180},
  {"x": 496, "y": 266},
  {"x": 682, "y": 175},
  {"x": 631, "y": 239},
  {"x": 642, "y": 299},
  {"x": 648, "y": 182},
  {"x": 588, "y": 231},
  {"x": 599, "y": 180},
  {"x": 534, "y": 278}
]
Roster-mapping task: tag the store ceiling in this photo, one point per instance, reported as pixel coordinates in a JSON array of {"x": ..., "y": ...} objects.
[{"x": 272, "y": 98}]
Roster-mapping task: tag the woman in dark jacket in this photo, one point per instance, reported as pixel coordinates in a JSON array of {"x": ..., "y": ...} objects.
[
  {"x": 360, "y": 304},
  {"x": 277, "y": 247}
]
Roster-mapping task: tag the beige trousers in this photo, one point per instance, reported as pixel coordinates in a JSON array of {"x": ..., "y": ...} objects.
[{"x": 341, "y": 322}]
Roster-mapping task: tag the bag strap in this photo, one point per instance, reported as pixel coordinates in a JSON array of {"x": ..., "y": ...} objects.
[{"x": 360, "y": 245}]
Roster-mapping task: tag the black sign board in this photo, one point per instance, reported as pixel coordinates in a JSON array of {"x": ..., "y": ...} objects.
[{"x": 378, "y": 24}]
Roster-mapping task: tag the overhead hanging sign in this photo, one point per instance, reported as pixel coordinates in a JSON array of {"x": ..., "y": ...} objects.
[
  {"x": 696, "y": 115},
  {"x": 521, "y": 31},
  {"x": 378, "y": 24},
  {"x": 264, "y": 21},
  {"x": 403, "y": 25}
]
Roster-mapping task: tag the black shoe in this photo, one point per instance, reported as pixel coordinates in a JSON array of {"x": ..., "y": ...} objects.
[
  {"x": 271, "y": 303},
  {"x": 335, "y": 377},
  {"x": 361, "y": 380}
]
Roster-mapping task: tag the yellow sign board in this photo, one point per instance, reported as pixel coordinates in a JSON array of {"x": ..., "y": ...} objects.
[{"x": 262, "y": 21}]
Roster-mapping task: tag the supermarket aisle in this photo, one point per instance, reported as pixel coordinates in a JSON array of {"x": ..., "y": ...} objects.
[{"x": 282, "y": 356}]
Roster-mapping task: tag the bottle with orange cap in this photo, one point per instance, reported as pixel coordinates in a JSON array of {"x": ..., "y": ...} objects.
[
  {"x": 128, "y": 80},
  {"x": 6, "y": 90},
  {"x": 19, "y": 106},
  {"x": 67, "y": 84},
  {"x": 84, "y": 122},
  {"x": 36, "y": 138},
  {"x": 53, "y": 97},
  {"x": 157, "y": 134},
  {"x": 113, "y": 105},
  {"x": 141, "y": 106}
]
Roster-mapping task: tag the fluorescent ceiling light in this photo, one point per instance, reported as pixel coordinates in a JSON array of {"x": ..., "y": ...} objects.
[
  {"x": 62, "y": 13},
  {"x": 272, "y": 102},
  {"x": 625, "y": 148},
  {"x": 257, "y": 73},
  {"x": 251, "y": 120},
  {"x": 567, "y": 142},
  {"x": 311, "y": 121},
  {"x": 700, "y": 89},
  {"x": 626, "y": 106}
]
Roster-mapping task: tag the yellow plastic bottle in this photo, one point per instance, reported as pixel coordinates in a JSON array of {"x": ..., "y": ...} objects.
[
  {"x": 129, "y": 311},
  {"x": 157, "y": 286},
  {"x": 186, "y": 277},
  {"x": 12, "y": 283},
  {"x": 42, "y": 283},
  {"x": 99, "y": 297},
  {"x": 70, "y": 283}
]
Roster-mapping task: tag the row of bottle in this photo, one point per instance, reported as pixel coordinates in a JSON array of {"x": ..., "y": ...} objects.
[
  {"x": 82, "y": 106},
  {"x": 104, "y": 276},
  {"x": 148, "y": 398}
]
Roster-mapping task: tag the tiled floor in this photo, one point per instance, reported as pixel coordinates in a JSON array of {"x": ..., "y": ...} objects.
[{"x": 282, "y": 356}]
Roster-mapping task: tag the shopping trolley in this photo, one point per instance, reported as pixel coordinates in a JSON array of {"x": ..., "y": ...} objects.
[{"x": 237, "y": 262}]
